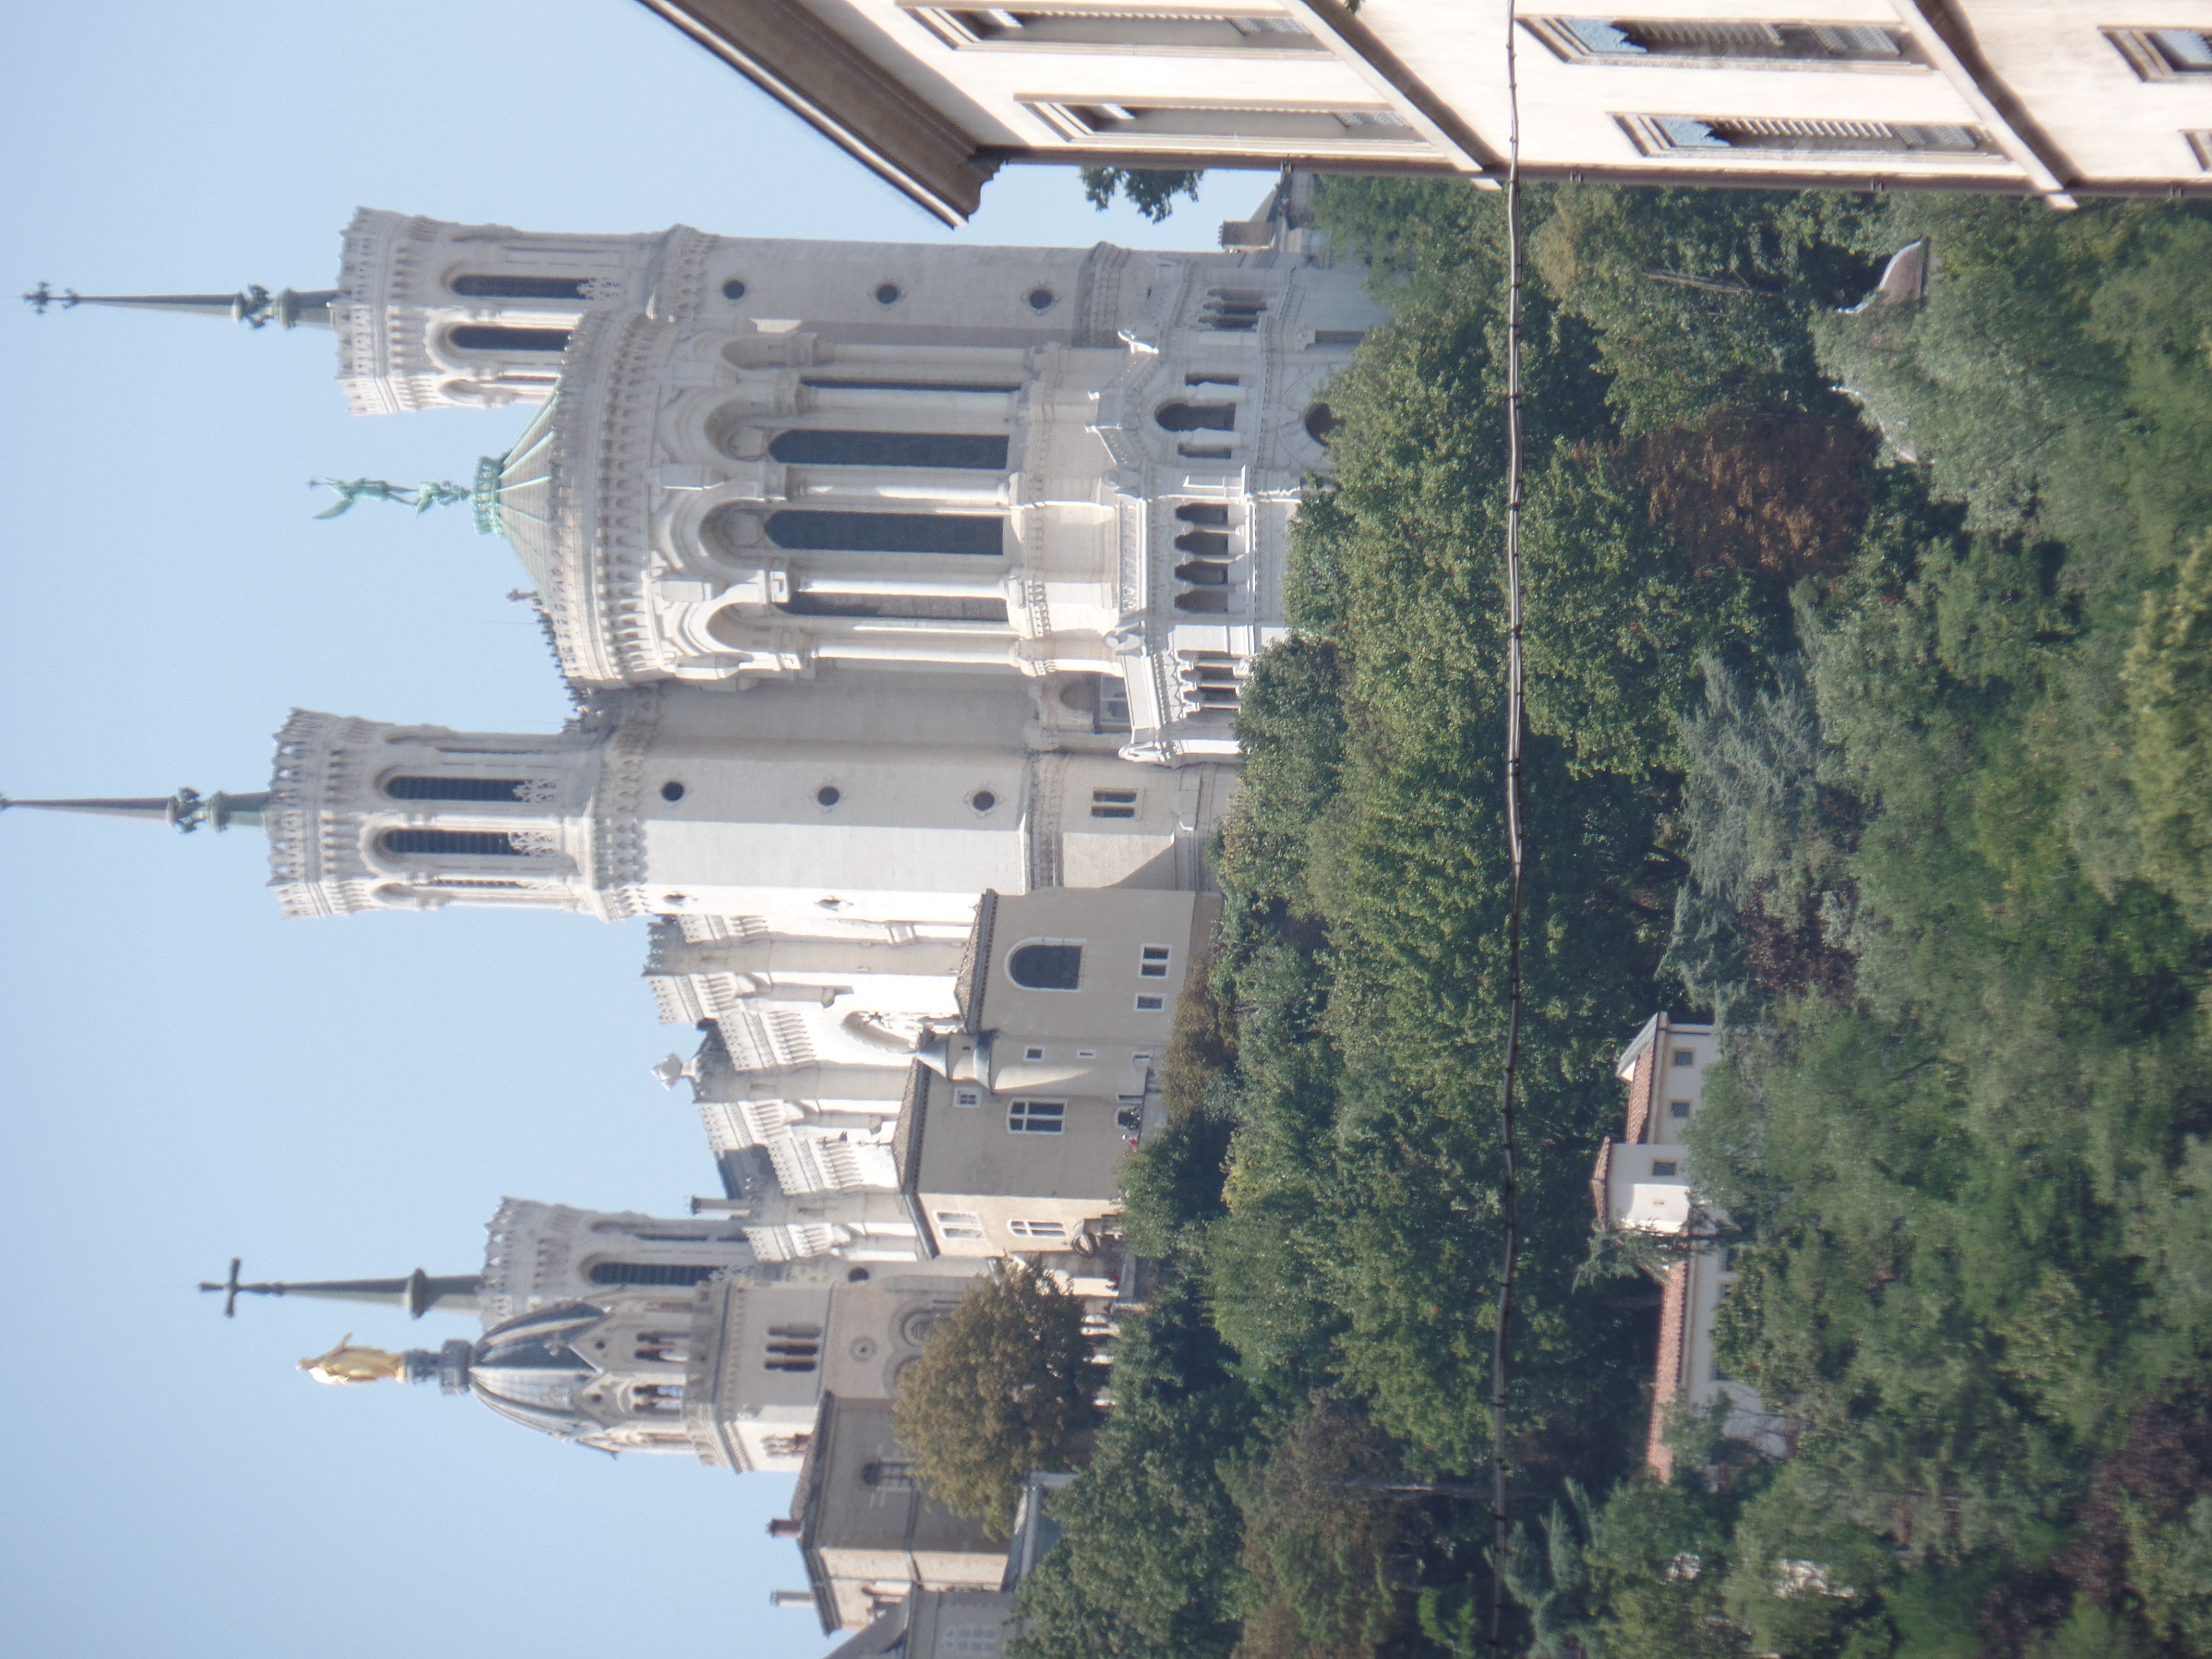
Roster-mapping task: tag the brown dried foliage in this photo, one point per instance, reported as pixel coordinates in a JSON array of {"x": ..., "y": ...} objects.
[
  {"x": 1783, "y": 493},
  {"x": 2165, "y": 1463}
]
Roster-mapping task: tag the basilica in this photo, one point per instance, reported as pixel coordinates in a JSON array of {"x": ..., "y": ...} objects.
[{"x": 904, "y": 595}]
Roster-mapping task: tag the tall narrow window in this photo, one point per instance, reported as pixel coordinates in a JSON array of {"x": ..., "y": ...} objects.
[
  {"x": 1036, "y": 1117},
  {"x": 1047, "y": 965},
  {"x": 1048, "y": 1230},
  {"x": 1197, "y": 417},
  {"x": 473, "y": 843},
  {"x": 1203, "y": 573},
  {"x": 1204, "y": 601},
  {"x": 1204, "y": 544},
  {"x": 497, "y": 337},
  {"x": 962, "y": 1225},
  {"x": 799, "y": 529},
  {"x": 1113, "y": 803},
  {"x": 1203, "y": 512},
  {"x": 1233, "y": 310},
  {"x": 979, "y": 452},
  {"x": 856, "y": 382},
  {"x": 512, "y": 285},
  {"x": 650, "y": 1272},
  {"x": 886, "y": 1475},
  {"x": 458, "y": 788},
  {"x": 912, "y": 606}
]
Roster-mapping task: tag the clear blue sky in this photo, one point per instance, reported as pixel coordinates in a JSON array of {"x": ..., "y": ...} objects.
[{"x": 186, "y": 1075}]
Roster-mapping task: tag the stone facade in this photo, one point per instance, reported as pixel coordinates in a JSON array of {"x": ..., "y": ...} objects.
[{"x": 2031, "y": 96}]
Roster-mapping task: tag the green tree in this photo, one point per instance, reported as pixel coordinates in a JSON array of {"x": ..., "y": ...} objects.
[
  {"x": 1005, "y": 1385},
  {"x": 1152, "y": 192},
  {"x": 2169, "y": 691},
  {"x": 1146, "y": 1567}
]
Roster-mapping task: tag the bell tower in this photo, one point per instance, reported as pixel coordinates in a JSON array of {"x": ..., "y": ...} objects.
[{"x": 431, "y": 314}]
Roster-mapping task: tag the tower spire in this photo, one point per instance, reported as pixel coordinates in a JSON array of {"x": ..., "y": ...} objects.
[
  {"x": 254, "y": 305},
  {"x": 418, "y": 1292},
  {"x": 187, "y": 809}
]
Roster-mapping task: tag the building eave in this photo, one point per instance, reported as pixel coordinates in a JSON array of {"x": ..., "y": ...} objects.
[{"x": 843, "y": 94}]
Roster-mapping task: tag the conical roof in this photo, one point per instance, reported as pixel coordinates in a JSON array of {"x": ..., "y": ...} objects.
[{"x": 514, "y": 496}]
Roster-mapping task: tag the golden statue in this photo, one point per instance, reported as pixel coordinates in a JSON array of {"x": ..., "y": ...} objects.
[{"x": 346, "y": 1364}]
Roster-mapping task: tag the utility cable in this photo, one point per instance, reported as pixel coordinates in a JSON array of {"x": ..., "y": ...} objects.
[{"x": 1510, "y": 1192}]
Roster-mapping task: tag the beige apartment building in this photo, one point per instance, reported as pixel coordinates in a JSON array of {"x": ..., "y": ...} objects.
[{"x": 2020, "y": 96}]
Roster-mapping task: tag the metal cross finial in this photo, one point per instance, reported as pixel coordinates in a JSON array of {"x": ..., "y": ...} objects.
[
  {"x": 42, "y": 296},
  {"x": 230, "y": 1287}
]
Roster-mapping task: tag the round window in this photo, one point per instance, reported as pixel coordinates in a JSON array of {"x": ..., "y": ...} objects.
[
  {"x": 733, "y": 289},
  {"x": 1041, "y": 299},
  {"x": 828, "y": 794},
  {"x": 672, "y": 790},
  {"x": 982, "y": 800},
  {"x": 915, "y": 1328},
  {"x": 1321, "y": 420},
  {"x": 858, "y": 1276},
  {"x": 888, "y": 294}
]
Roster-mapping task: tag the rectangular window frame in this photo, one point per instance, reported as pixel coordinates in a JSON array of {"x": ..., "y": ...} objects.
[
  {"x": 1152, "y": 1002},
  {"x": 1666, "y": 1168},
  {"x": 2152, "y": 58},
  {"x": 1678, "y": 1109},
  {"x": 959, "y": 1226},
  {"x": 1115, "y": 30},
  {"x": 1670, "y": 136},
  {"x": 1154, "y": 961},
  {"x": 1037, "y": 1117},
  {"x": 1115, "y": 802},
  {"x": 1041, "y": 1232},
  {"x": 1791, "y": 48},
  {"x": 1229, "y": 126}
]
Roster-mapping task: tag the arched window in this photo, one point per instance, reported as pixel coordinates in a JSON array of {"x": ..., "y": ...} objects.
[
  {"x": 474, "y": 843},
  {"x": 912, "y": 606},
  {"x": 1197, "y": 417},
  {"x": 1203, "y": 512},
  {"x": 1233, "y": 310},
  {"x": 649, "y": 1273},
  {"x": 888, "y": 532},
  {"x": 1205, "y": 544},
  {"x": 1203, "y": 600},
  {"x": 508, "y": 285},
  {"x": 497, "y": 337},
  {"x": 1203, "y": 573},
  {"x": 452, "y": 788},
  {"x": 1037, "y": 1230},
  {"x": 1046, "y": 965},
  {"x": 973, "y": 451}
]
